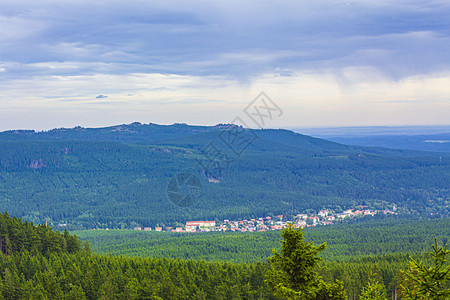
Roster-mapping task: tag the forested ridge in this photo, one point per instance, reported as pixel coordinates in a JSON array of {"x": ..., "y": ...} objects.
[
  {"x": 88, "y": 178},
  {"x": 66, "y": 272}
]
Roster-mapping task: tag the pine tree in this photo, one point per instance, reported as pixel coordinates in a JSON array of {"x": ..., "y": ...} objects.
[
  {"x": 374, "y": 290},
  {"x": 75, "y": 293},
  {"x": 33, "y": 289},
  {"x": 10, "y": 289},
  {"x": 293, "y": 274},
  {"x": 421, "y": 282},
  {"x": 331, "y": 291},
  {"x": 108, "y": 289},
  {"x": 132, "y": 289}
]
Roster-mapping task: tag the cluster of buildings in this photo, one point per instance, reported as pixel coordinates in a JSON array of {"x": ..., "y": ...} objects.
[
  {"x": 323, "y": 217},
  {"x": 278, "y": 222}
]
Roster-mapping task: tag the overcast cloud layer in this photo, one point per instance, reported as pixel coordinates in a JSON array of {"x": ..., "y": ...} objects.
[{"x": 326, "y": 63}]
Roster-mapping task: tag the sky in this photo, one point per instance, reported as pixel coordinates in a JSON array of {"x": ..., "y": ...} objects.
[{"x": 323, "y": 63}]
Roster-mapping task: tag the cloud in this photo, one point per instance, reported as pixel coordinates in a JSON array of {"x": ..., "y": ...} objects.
[
  {"x": 238, "y": 38},
  {"x": 166, "y": 51},
  {"x": 307, "y": 98},
  {"x": 101, "y": 97}
]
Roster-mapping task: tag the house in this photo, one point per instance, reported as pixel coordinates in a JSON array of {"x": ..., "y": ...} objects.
[
  {"x": 323, "y": 213},
  {"x": 192, "y": 226},
  {"x": 147, "y": 229},
  {"x": 261, "y": 226},
  {"x": 300, "y": 224},
  {"x": 158, "y": 228},
  {"x": 302, "y": 216},
  {"x": 221, "y": 228},
  {"x": 201, "y": 223},
  {"x": 137, "y": 228}
]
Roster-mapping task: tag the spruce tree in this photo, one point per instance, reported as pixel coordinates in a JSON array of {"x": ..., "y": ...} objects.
[
  {"x": 421, "y": 282},
  {"x": 374, "y": 290},
  {"x": 293, "y": 274}
]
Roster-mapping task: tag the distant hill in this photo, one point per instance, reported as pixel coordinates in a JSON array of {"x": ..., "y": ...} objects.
[
  {"x": 118, "y": 176},
  {"x": 422, "y": 138},
  {"x": 435, "y": 142}
]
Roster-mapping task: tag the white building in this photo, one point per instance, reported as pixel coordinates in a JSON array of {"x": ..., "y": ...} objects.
[
  {"x": 323, "y": 213},
  {"x": 192, "y": 226}
]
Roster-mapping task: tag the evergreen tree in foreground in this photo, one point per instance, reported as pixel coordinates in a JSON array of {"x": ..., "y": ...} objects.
[
  {"x": 374, "y": 290},
  {"x": 421, "y": 282},
  {"x": 293, "y": 274}
]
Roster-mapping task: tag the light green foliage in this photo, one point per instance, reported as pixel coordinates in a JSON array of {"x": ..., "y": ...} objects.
[
  {"x": 331, "y": 291},
  {"x": 422, "y": 282},
  {"x": 374, "y": 289}
]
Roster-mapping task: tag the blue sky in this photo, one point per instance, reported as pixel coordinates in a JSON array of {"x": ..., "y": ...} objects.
[{"x": 326, "y": 63}]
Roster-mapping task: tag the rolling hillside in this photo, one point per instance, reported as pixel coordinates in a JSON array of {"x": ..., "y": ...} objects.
[{"x": 118, "y": 176}]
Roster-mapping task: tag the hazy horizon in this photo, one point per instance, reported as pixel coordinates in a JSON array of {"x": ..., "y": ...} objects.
[{"x": 336, "y": 130}]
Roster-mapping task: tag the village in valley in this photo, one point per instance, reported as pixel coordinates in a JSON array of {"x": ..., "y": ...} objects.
[{"x": 278, "y": 222}]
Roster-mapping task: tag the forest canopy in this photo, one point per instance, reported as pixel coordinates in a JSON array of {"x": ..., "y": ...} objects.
[{"x": 88, "y": 178}]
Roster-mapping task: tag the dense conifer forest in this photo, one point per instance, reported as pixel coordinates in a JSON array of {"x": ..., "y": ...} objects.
[
  {"x": 331, "y": 181},
  {"x": 345, "y": 241},
  {"x": 38, "y": 263},
  {"x": 117, "y": 177}
]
